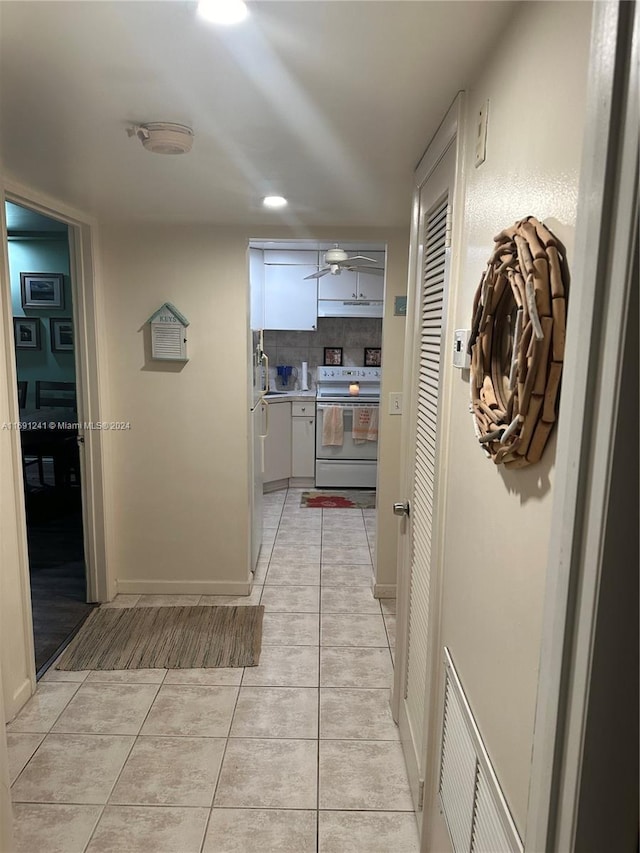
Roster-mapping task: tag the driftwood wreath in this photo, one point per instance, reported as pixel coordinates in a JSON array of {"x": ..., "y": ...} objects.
[{"x": 517, "y": 343}]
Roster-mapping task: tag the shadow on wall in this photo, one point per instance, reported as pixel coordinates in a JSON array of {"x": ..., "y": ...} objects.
[
  {"x": 531, "y": 483},
  {"x": 153, "y": 364}
]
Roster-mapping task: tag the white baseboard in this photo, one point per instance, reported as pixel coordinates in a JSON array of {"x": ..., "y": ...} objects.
[
  {"x": 139, "y": 586},
  {"x": 302, "y": 483},
  {"x": 275, "y": 486},
  {"x": 291, "y": 483},
  {"x": 384, "y": 590}
]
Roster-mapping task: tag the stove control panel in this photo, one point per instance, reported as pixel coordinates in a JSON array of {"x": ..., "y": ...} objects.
[{"x": 347, "y": 374}]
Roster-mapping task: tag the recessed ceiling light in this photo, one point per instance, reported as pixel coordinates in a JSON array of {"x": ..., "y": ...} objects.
[
  {"x": 274, "y": 201},
  {"x": 223, "y": 11}
]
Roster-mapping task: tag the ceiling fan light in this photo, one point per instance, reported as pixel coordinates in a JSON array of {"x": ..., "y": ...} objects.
[
  {"x": 274, "y": 201},
  {"x": 225, "y": 12}
]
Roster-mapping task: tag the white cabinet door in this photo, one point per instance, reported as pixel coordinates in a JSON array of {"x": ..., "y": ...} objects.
[
  {"x": 343, "y": 286},
  {"x": 277, "y": 444},
  {"x": 371, "y": 286},
  {"x": 303, "y": 436},
  {"x": 256, "y": 286},
  {"x": 291, "y": 256},
  {"x": 290, "y": 302}
]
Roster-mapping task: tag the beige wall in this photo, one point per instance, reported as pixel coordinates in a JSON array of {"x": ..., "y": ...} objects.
[
  {"x": 497, "y": 522},
  {"x": 179, "y": 476}
]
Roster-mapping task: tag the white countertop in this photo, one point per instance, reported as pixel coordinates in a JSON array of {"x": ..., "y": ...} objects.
[{"x": 290, "y": 396}]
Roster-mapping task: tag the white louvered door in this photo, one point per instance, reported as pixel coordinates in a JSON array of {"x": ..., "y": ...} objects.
[
  {"x": 421, "y": 457},
  {"x": 421, "y": 519}
]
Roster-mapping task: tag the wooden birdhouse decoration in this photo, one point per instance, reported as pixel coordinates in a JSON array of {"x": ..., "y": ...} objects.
[{"x": 168, "y": 334}]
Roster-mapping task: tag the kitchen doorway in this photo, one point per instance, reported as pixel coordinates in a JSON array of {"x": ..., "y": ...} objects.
[{"x": 43, "y": 310}]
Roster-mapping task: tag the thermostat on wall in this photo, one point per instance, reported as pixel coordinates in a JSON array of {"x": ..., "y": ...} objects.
[{"x": 461, "y": 357}]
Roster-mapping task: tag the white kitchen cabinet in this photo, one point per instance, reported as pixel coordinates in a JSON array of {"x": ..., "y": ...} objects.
[
  {"x": 343, "y": 286},
  {"x": 369, "y": 285},
  {"x": 256, "y": 288},
  {"x": 303, "y": 440},
  {"x": 277, "y": 444},
  {"x": 290, "y": 302},
  {"x": 355, "y": 285},
  {"x": 290, "y": 256}
]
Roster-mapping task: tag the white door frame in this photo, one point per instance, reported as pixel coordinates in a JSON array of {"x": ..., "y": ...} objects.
[
  {"x": 599, "y": 300},
  {"x": 90, "y": 385},
  {"x": 449, "y": 133}
]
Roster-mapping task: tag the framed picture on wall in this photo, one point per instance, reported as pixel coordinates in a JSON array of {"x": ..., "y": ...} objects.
[
  {"x": 333, "y": 356},
  {"x": 26, "y": 331},
  {"x": 42, "y": 289},
  {"x": 61, "y": 334},
  {"x": 372, "y": 356}
]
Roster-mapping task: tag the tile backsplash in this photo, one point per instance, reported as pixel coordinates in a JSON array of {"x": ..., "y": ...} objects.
[{"x": 353, "y": 334}]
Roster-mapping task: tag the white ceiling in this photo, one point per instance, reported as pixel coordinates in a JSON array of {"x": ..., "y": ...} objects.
[{"x": 328, "y": 103}]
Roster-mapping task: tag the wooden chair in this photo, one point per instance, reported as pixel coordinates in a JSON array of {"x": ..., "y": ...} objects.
[
  {"x": 55, "y": 395},
  {"x": 22, "y": 393},
  {"x": 32, "y": 456},
  {"x": 60, "y": 447}
]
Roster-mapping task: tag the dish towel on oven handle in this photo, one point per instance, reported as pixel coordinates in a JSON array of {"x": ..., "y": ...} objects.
[
  {"x": 332, "y": 426},
  {"x": 365, "y": 424}
]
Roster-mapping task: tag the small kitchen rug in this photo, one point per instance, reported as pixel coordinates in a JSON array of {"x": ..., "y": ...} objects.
[
  {"x": 166, "y": 638},
  {"x": 339, "y": 499}
]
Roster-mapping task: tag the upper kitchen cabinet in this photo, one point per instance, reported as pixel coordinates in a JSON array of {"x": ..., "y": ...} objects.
[
  {"x": 353, "y": 294},
  {"x": 291, "y": 256},
  {"x": 256, "y": 287},
  {"x": 342, "y": 286},
  {"x": 290, "y": 299},
  {"x": 370, "y": 285},
  {"x": 354, "y": 285}
]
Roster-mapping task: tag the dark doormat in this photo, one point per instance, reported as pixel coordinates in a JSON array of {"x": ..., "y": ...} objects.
[{"x": 166, "y": 638}]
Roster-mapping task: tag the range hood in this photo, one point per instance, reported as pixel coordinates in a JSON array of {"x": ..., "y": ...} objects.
[{"x": 349, "y": 308}]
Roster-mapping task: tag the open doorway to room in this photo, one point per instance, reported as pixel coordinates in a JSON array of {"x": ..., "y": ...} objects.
[
  {"x": 316, "y": 309},
  {"x": 42, "y": 305}
]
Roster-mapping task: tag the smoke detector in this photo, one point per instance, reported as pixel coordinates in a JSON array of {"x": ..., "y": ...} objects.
[{"x": 163, "y": 137}]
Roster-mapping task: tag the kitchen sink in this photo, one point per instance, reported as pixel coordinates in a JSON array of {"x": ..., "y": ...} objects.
[{"x": 276, "y": 393}]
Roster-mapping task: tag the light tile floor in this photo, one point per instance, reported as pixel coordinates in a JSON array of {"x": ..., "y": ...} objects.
[{"x": 296, "y": 755}]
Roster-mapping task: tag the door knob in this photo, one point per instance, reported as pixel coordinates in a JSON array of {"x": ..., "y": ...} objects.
[{"x": 401, "y": 508}]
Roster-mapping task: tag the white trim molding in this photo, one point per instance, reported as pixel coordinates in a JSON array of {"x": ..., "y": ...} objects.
[
  {"x": 140, "y": 586},
  {"x": 384, "y": 590},
  {"x": 597, "y": 318},
  {"x": 91, "y": 377}
]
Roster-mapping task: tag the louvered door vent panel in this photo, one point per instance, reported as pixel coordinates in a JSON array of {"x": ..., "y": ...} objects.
[
  {"x": 474, "y": 806},
  {"x": 488, "y": 831},
  {"x": 431, "y": 305}
]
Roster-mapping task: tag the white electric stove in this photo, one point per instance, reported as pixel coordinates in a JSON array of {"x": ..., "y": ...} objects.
[{"x": 352, "y": 464}]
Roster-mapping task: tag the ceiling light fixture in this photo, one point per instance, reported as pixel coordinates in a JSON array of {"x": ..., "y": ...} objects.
[
  {"x": 274, "y": 201},
  {"x": 224, "y": 12},
  {"x": 163, "y": 137}
]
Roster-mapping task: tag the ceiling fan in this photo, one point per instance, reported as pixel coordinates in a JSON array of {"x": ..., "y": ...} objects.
[{"x": 336, "y": 260}]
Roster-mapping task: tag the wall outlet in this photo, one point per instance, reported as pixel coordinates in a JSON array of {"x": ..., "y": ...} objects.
[
  {"x": 481, "y": 136},
  {"x": 395, "y": 403}
]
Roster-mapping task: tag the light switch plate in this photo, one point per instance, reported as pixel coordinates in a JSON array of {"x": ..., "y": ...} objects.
[
  {"x": 481, "y": 137},
  {"x": 395, "y": 403}
]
